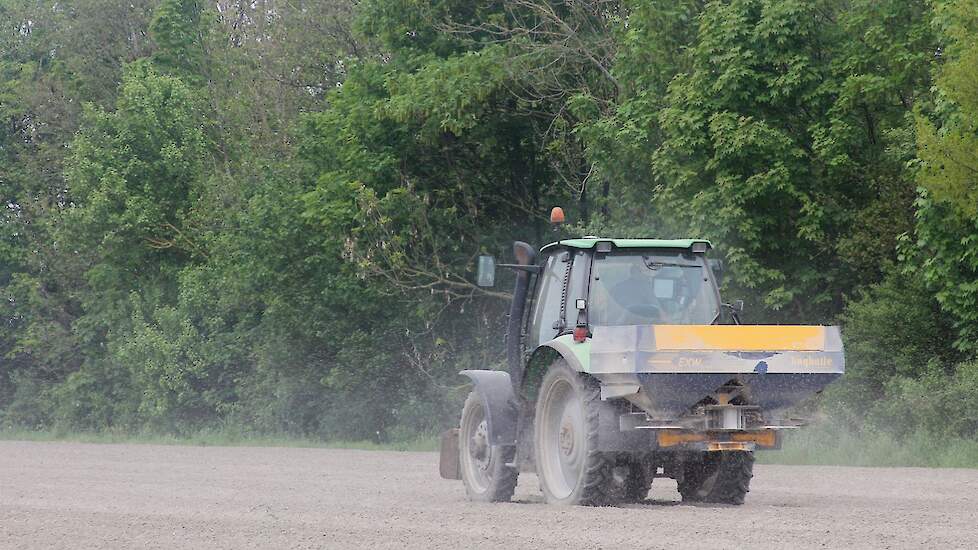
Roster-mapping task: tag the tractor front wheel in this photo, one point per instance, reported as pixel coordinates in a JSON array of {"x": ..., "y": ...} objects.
[
  {"x": 569, "y": 465},
  {"x": 485, "y": 468},
  {"x": 721, "y": 477}
]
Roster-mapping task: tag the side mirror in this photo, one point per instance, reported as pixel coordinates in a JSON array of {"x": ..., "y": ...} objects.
[
  {"x": 717, "y": 267},
  {"x": 486, "y": 276}
]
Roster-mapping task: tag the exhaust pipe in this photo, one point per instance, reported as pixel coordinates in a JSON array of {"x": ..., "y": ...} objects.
[{"x": 525, "y": 255}]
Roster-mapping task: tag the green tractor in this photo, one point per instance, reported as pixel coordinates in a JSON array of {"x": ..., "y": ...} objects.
[{"x": 623, "y": 365}]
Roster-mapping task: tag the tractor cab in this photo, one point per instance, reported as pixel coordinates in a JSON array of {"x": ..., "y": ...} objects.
[{"x": 590, "y": 282}]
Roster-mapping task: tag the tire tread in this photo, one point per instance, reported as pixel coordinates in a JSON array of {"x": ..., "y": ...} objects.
[
  {"x": 597, "y": 485},
  {"x": 732, "y": 482},
  {"x": 504, "y": 478}
]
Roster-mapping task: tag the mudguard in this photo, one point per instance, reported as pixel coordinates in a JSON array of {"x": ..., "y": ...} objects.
[
  {"x": 577, "y": 354},
  {"x": 496, "y": 391}
]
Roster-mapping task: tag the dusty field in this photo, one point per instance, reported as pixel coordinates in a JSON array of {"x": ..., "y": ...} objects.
[{"x": 66, "y": 495}]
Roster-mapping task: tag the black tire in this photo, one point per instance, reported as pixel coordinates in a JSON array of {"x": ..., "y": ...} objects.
[
  {"x": 485, "y": 473},
  {"x": 571, "y": 469},
  {"x": 637, "y": 484},
  {"x": 721, "y": 477}
]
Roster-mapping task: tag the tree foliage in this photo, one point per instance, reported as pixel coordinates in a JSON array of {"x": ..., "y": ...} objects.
[
  {"x": 266, "y": 214},
  {"x": 947, "y": 215}
]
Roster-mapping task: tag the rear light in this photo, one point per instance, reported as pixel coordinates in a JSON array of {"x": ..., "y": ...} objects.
[{"x": 580, "y": 333}]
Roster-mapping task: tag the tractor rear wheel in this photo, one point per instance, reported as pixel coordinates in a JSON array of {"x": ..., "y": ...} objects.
[
  {"x": 484, "y": 467},
  {"x": 569, "y": 465},
  {"x": 637, "y": 483},
  {"x": 721, "y": 477}
]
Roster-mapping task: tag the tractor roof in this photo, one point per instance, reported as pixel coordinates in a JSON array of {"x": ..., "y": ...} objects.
[{"x": 589, "y": 242}]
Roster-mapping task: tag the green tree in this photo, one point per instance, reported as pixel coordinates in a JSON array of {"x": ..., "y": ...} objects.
[
  {"x": 784, "y": 134},
  {"x": 947, "y": 215},
  {"x": 179, "y": 31}
]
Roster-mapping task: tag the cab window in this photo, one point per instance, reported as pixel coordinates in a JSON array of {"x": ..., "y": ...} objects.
[
  {"x": 547, "y": 301},
  {"x": 651, "y": 288}
]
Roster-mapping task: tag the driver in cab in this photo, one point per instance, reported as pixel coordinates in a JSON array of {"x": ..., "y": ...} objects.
[
  {"x": 635, "y": 296},
  {"x": 644, "y": 296}
]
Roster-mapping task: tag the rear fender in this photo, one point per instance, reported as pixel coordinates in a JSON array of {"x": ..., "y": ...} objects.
[
  {"x": 496, "y": 391},
  {"x": 575, "y": 354}
]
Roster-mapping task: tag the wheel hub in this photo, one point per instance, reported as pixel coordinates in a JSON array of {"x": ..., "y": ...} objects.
[
  {"x": 479, "y": 446},
  {"x": 565, "y": 438}
]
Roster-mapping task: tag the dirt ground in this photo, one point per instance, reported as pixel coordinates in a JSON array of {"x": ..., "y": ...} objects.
[{"x": 69, "y": 495}]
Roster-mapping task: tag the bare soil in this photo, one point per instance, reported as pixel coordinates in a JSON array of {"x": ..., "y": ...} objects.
[{"x": 69, "y": 495}]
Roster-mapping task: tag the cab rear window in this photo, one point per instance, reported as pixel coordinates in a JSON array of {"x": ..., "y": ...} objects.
[{"x": 648, "y": 289}]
